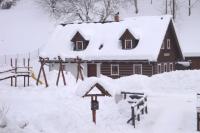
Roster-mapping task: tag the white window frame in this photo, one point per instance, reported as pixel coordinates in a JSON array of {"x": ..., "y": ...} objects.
[
  {"x": 134, "y": 65},
  {"x": 159, "y": 66},
  {"x": 77, "y": 45},
  {"x": 113, "y": 74},
  {"x": 171, "y": 64},
  {"x": 165, "y": 64},
  {"x": 126, "y": 40},
  {"x": 168, "y": 44}
]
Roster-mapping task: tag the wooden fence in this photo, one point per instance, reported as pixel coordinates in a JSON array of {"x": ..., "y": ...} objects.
[{"x": 138, "y": 102}]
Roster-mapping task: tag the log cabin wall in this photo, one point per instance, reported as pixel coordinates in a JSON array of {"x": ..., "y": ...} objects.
[
  {"x": 195, "y": 62},
  {"x": 125, "y": 69}
]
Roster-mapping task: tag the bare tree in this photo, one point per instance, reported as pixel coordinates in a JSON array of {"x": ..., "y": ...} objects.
[
  {"x": 82, "y": 10},
  {"x": 7, "y": 4},
  {"x": 107, "y": 9},
  {"x": 134, "y": 3},
  {"x": 136, "y": 6},
  {"x": 189, "y": 7}
]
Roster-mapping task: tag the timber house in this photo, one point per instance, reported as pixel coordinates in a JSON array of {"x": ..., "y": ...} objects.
[{"x": 145, "y": 45}]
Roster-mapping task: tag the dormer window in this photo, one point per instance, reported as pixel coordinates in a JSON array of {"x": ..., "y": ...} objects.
[
  {"x": 128, "y": 44},
  {"x": 128, "y": 41},
  {"x": 79, "y": 42},
  {"x": 79, "y": 45}
]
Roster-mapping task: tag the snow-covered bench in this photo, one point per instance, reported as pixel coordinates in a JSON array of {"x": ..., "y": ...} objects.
[{"x": 138, "y": 102}]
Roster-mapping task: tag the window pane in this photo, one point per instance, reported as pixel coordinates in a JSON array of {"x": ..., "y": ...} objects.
[
  {"x": 115, "y": 69},
  {"x": 128, "y": 44},
  {"x": 79, "y": 45},
  {"x": 138, "y": 69}
]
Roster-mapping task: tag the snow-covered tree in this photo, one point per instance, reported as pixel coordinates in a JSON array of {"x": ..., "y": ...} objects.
[
  {"x": 106, "y": 8},
  {"x": 6, "y": 4},
  {"x": 82, "y": 10}
]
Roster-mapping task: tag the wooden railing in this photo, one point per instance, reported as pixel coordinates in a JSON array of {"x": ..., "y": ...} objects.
[{"x": 138, "y": 103}]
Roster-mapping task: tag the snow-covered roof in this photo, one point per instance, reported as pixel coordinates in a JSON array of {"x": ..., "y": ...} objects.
[
  {"x": 149, "y": 30},
  {"x": 84, "y": 86}
]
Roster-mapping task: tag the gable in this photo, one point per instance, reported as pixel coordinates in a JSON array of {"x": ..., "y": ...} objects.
[
  {"x": 97, "y": 89},
  {"x": 80, "y": 43},
  {"x": 78, "y": 37},
  {"x": 171, "y": 51},
  {"x": 127, "y": 35}
]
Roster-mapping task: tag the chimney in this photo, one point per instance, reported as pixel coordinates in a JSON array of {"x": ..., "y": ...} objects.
[{"x": 116, "y": 17}]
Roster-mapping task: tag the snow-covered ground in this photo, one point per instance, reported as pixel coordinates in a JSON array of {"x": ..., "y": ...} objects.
[
  {"x": 24, "y": 28},
  {"x": 171, "y": 105}
]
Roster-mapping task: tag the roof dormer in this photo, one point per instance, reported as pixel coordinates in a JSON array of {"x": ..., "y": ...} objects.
[
  {"x": 80, "y": 43},
  {"x": 128, "y": 40}
]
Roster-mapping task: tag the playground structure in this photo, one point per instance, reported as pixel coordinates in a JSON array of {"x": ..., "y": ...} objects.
[
  {"x": 61, "y": 62},
  {"x": 13, "y": 72}
]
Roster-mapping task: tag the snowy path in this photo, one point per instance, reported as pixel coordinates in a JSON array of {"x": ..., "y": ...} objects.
[{"x": 170, "y": 114}]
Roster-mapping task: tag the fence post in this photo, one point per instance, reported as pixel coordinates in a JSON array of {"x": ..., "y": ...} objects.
[
  {"x": 29, "y": 55},
  {"x": 133, "y": 117},
  {"x": 5, "y": 59},
  {"x": 38, "y": 52}
]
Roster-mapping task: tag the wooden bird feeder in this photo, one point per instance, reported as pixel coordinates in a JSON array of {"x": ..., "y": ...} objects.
[{"x": 94, "y": 95}]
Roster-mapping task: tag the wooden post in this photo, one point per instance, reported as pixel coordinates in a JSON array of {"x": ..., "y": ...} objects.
[
  {"x": 58, "y": 76},
  {"x": 15, "y": 81},
  {"x": 43, "y": 62},
  {"x": 24, "y": 62},
  {"x": 5, "y": 59},
  {"x": 11, "y": 80},
  {"x": 24, "y": 81},
  {"x": 28, "y": 71},
  {"x": 16, "y": 72},
  {"x": 133, "y": 116},
  {"x": 138, "y": 116},
  {"x": 60, "y": 71},
  {"x": 11, "y": 62},
  {"x": 79, "y": 69},
  {"x": 146, "y": 110},
  {"x": 198, "y": 121},
  {"x": 94, "y": 111}
]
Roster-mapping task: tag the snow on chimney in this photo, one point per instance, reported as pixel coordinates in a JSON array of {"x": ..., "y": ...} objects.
[{"x": 116, "y": 17}]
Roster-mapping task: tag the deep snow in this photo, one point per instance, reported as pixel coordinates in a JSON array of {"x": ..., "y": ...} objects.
[{"x": 171, "y": 104}]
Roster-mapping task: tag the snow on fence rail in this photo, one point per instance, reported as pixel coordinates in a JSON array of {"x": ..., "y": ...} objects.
[
  {"x": 5, "y": 59},
  {"x": 138, "y": 103}
]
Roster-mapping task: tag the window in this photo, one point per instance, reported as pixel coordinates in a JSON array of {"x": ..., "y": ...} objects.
[
  {"x": 163, "y": 46},
  {"x": 165, "y": 67},
  {"x": 171, "y": 67},
  {"x": 137, "y": 68},
  {"x": 79, "y": 45},
  {"x": 159, "y": 68},
  {"x": 168, "y": 44},
  {"x": 114, "y": 69},
  {"x": 128, "y": 44}
]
